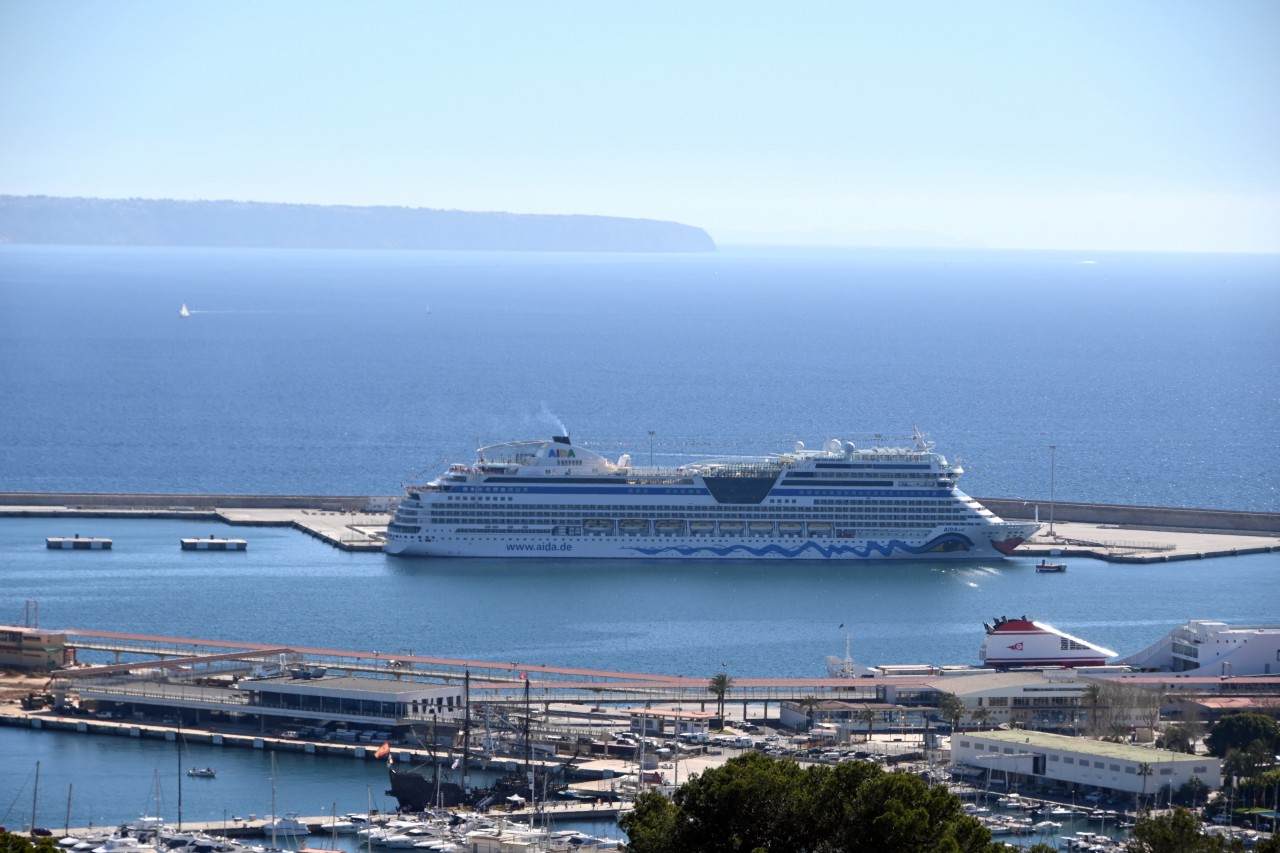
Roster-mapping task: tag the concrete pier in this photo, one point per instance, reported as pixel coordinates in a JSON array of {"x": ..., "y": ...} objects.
[{"x": 1116, "y": 533}]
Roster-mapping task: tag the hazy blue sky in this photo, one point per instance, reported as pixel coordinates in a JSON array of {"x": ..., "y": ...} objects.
[{"x": 1146, "y": 124}]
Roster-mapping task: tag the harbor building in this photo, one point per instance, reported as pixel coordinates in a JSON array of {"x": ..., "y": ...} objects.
[
  {"x": 31, "y": 648},
  {"x": 352, "y": 699},
  {"x": 664, "y": 722},
  {"x": 1020, "y": 757}
]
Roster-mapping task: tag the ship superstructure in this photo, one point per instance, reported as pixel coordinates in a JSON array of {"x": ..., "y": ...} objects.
[
  {"x": 551, "y": 498},
  {"x": 1022, "y": 642}
]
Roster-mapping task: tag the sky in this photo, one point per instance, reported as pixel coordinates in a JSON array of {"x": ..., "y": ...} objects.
[{"x": 1148, "y": 125}]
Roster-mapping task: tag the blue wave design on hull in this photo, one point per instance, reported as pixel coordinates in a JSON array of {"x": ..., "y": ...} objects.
[{"x": 945, "y": 543}]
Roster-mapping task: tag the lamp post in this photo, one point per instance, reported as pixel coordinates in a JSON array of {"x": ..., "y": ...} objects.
[
  {"x": 1052, "y": 466},
  {"x": 650, "y": 448}
]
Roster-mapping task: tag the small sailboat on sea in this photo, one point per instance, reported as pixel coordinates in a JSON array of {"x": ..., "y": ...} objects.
[{"x": 184, "y": 311}]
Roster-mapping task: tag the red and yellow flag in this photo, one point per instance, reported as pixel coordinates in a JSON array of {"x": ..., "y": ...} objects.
[{"x": 383, "y": 750}]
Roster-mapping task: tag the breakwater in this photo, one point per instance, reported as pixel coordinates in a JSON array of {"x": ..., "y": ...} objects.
[{"x": 185, "y": 505}]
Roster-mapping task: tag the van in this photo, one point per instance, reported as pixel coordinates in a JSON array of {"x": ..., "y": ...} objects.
[{"x": 744, "y": 742}]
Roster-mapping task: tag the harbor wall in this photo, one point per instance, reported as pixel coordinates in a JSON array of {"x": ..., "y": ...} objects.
[
  {"x": 1088, "y": 513},
  {"x": 192, "y": 503},
  {"x": 1146, "y": 517}
]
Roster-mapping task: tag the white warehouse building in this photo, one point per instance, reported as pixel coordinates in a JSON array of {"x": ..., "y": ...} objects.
[{"x": 1081, "y": 763}]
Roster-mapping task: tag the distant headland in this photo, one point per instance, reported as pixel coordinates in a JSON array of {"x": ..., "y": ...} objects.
[{"x": 156, "y": 222}]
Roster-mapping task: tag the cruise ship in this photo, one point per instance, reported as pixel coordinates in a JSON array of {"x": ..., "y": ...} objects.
[{"x": 552, "y": 498}]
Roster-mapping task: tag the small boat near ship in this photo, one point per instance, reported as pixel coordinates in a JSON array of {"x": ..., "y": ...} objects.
[
  {"x": 184, "y": 311},
  {"x": 1046, "y": 566},
  {"x": 201, "y": 773}
]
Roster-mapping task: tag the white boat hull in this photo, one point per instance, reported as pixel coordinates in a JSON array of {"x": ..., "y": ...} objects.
[{"x": 939, "y": 544}]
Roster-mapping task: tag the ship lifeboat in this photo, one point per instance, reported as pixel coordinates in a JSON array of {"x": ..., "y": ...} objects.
[
  {"x": 732, "y": 528},
  {"x": 702, "y": 528},
  {"x": 790, "y": 528},
  {"x": 668, "y": 526},
  {"x": 760, "y": 528},
  {"x": 633, "y": 526},
  {"x": 598, "y": 525},
  {"x": 819, "y": 528}
]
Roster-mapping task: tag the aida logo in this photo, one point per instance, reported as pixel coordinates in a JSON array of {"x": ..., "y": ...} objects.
[{"x": 558, "y": 453}]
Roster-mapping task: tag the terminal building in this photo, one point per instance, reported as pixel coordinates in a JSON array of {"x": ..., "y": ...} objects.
[
  {"x": 31, "y": 648},
  {"x": 1021, "y": 757}
]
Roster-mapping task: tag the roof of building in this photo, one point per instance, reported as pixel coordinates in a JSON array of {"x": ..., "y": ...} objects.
[
  {"x": 1089, "y": 746},
  {"x": 344, "y": 683},
  {"x": 1238, "y": 703},
  {"x": 969, "y": 685}
]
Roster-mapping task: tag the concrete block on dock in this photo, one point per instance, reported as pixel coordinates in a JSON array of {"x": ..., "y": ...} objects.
[
  {"x": 77, "y": 543},
  {"x": 213, "y": 544}
]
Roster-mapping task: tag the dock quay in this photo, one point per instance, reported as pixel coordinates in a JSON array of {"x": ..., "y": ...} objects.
[{"x": 1110, "y": 532}]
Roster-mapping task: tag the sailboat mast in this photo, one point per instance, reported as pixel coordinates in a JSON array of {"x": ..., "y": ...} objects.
[
  {"x": 178, "y": 742},
  {"x": 466, "y": 727},
  {"x": 528, "y": 747},
  {"x": 35, "y": 793},
  {"x": 66, "y": 823}
]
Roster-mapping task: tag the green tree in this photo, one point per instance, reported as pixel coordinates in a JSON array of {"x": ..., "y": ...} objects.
[
  {"x": 981, "y": 716},
  {"x": 1239, "y": 731},
  {"x": 1177, "y": 738},
  {"x": 757, "y": 803},
  {"x": 1175, "y": 832},
  {"x": 720, "y": 685},
  {"x": 1194, "y": 791},
  {"x": 11, "y": 842},
  {"x": 951, "y": 707}
]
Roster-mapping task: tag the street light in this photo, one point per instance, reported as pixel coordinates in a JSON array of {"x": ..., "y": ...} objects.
[
  {"x": 1052, "y": 460},
  {"x": 650, "y": 448}
]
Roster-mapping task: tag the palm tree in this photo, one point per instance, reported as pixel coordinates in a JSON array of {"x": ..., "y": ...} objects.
[
  {"x": 868, "y": 716},
  {"x": 1145, "y": 771},
  {"x": 981, "y": 716},
  {"x": 720, "y": 685},
  {"x": 810, "y": 705},
  {"x": 1093, "y": 695}
]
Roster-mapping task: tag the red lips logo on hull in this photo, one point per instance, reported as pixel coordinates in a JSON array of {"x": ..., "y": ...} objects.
[{"x": 1006, "y": 546}]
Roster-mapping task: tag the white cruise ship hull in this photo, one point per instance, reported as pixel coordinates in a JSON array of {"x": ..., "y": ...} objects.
[
  {"x": 551, "y": 499},
  {"x": 941, "y": 545}
]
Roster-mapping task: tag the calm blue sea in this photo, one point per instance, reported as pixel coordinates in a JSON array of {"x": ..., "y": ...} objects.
[{"x": 1157, "y": 377}]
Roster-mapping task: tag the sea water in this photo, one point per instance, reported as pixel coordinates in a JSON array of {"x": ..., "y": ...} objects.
[
  {"x": 1156, "y": 377},
  {"x": 349, "y": 372}
]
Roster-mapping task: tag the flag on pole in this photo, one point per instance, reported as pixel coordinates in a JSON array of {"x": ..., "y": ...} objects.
[{"x": 383, "y": 750}]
